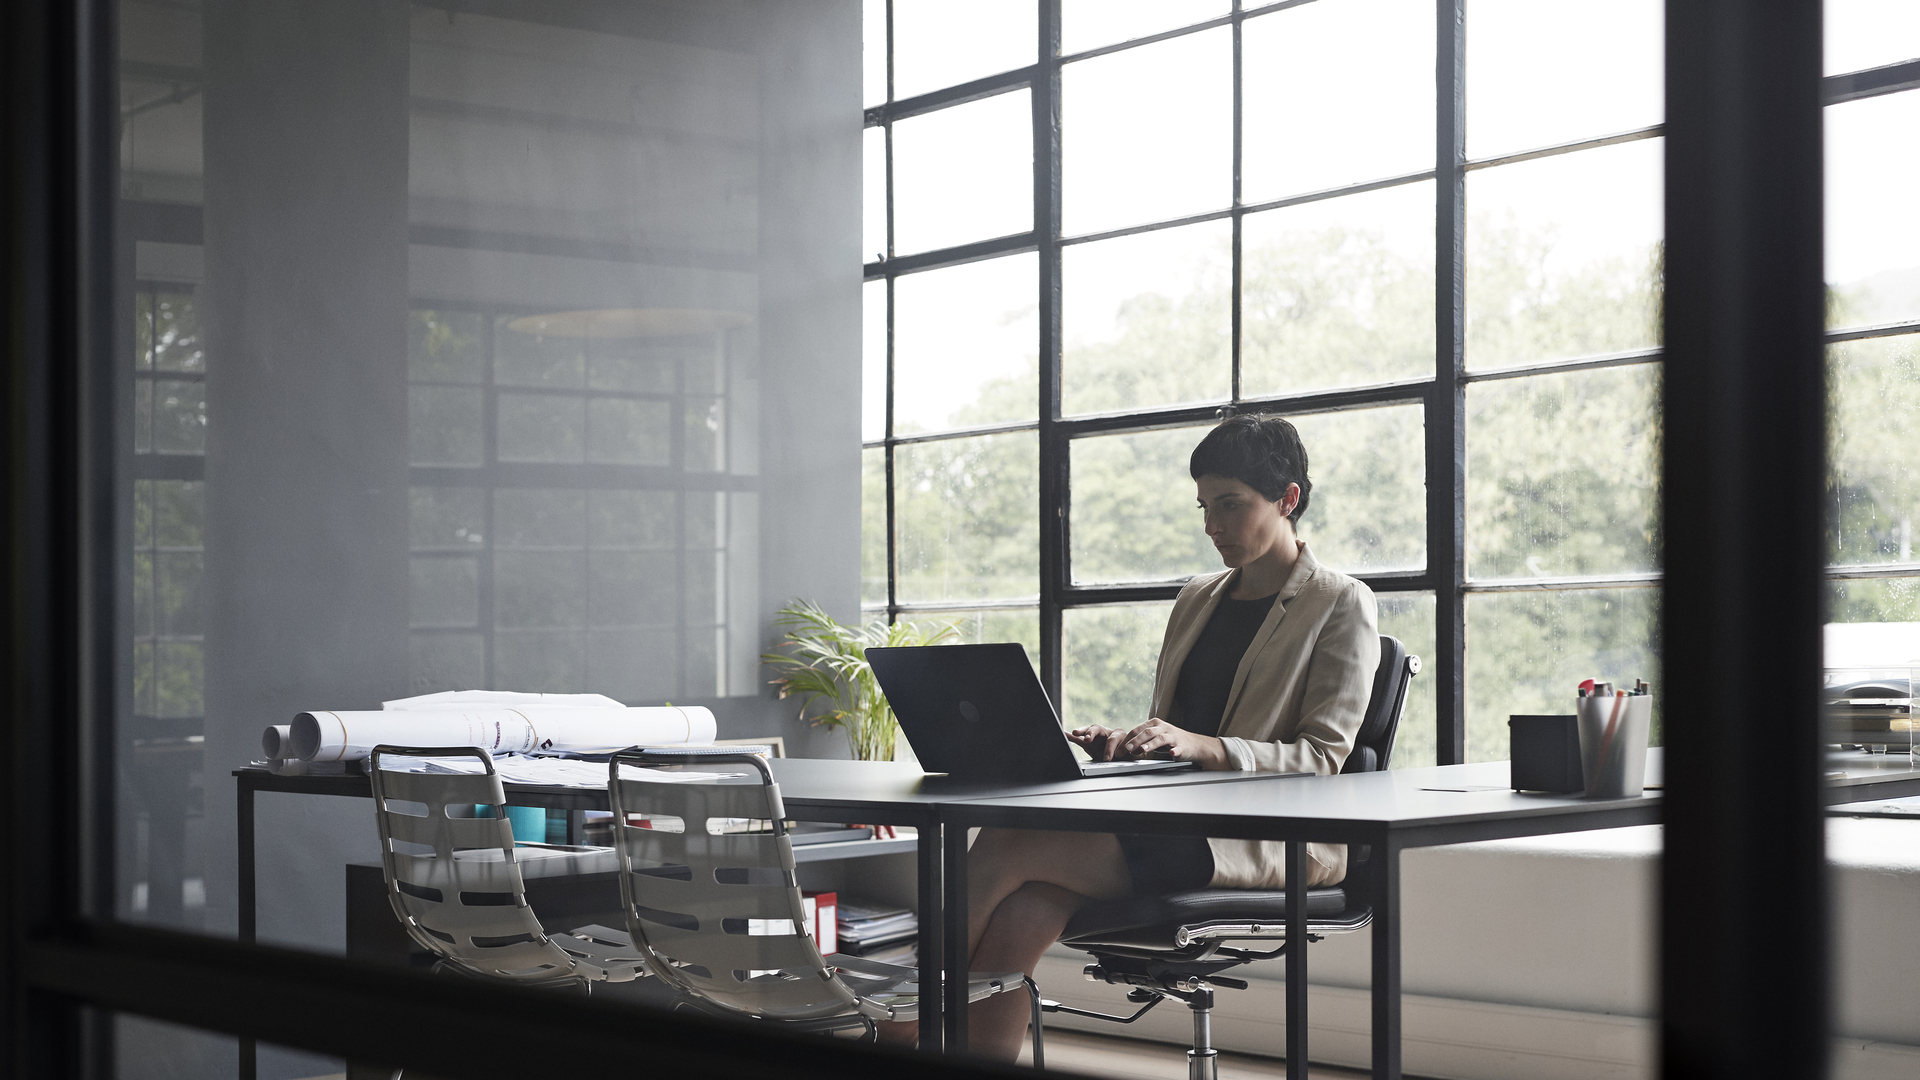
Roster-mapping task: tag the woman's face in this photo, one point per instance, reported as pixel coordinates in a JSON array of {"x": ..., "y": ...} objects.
[{"x": 1242, "y": 523}]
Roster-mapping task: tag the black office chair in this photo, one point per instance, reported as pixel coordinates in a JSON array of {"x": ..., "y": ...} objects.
[{"x": 1177, "y": 945}]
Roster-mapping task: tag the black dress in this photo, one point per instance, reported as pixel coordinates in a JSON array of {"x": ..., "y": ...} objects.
[{"x": 1166, "y": 864}]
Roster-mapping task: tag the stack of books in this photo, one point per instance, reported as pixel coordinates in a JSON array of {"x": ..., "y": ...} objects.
[{"x": 882, "y": 932}]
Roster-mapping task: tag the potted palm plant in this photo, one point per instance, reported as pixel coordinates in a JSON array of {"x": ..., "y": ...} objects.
[{"x": 826, "y": 665}]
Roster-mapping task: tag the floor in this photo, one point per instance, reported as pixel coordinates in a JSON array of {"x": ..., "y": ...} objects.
[{"x": 1134, "y": 1059}]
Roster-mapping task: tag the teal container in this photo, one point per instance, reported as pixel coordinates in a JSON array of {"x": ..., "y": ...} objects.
[{"x": 529, "y": 823}]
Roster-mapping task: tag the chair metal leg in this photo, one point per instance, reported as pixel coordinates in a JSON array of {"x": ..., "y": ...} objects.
[
  {"x": 1203, "y": 1060},
  {"x": 1039, "y": 1037}
]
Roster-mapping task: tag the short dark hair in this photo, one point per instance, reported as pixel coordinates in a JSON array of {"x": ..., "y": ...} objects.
[{"x": 1262, "y": 452}]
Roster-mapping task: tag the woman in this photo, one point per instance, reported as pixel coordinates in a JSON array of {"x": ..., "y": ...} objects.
[{"x": 1265, "y": 666}]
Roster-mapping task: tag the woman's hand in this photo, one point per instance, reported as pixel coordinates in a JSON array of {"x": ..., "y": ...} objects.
[
  {"x": 1101, "y": 743},
  {"x": 1176, "y": 742}
]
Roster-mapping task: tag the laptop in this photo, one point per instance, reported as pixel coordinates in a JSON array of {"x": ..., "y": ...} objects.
[{"x": 979, "y": 714}]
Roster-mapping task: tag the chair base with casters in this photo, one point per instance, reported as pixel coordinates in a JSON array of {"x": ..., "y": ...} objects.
[
  {"x": 1177, "y": 945},
  {"x": 718, "y": 916}
]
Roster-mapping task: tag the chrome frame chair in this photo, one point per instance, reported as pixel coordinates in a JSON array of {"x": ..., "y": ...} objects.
[
  {"x": 1176, "y": 946},
  {"x": 719, "y": 917},
  {"x": 465, "y": 900}
]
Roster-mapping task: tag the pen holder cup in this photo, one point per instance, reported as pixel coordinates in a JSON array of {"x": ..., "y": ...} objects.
[{"x": 1613, "y": 744}]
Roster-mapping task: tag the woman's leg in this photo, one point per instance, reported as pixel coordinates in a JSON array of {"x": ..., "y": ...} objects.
[
  {"x": 1022, "y": 927},
  {"x": 1076, "y": 867}
]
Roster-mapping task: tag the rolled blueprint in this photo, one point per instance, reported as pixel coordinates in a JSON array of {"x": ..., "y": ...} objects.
[
  {"x": 349, "y": 736},
  {"x": 277, "y": 741}
]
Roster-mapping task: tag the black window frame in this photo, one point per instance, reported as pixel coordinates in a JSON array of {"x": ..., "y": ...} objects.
[{"x": 1441, "y": 396}]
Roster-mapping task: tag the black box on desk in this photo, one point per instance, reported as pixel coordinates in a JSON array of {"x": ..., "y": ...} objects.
[{"x": 1546, "y": 753}]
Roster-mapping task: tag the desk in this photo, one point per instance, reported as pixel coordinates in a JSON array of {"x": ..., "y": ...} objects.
[{"x": 1391, "y": 811}]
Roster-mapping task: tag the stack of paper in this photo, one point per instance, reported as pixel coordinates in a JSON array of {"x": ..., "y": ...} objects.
[{"x": 879, "y": 931}]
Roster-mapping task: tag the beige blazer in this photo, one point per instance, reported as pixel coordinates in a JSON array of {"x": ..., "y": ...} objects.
[{"x": 1297, "y": 700}]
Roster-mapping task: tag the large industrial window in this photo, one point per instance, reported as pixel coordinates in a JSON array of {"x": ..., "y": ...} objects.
[{"x": 1092, "y": 229}]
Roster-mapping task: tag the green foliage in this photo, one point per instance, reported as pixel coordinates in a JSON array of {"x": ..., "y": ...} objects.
[{"x": 827, "y": 668}]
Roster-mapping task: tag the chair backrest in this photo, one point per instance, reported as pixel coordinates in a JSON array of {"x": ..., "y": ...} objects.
[
  {"x": 451, "y": 876},
  {"x": 717, "y": 914},
  {"x": 1373, "y": 746}
]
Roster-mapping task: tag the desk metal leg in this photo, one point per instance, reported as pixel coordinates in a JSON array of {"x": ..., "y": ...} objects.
[
  {"x": 953, "y": 919},
  {"x": 249, "y": 1059},
  {"x": 1385, "y": 885},
  {"x": 928, "y": 857},
  {"x": 1296, "y": 960}
]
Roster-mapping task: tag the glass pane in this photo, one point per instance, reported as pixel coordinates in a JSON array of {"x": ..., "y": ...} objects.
[
  {"x": 444, "y": 591},
  {"x": 1149, "y": 133},
  {"x": 1869, "y": 33},
  {"x": 1338, "y": 292},
  {"x": 625, "y": 431},
  {"x": 873, "y": 526},
  {"x": 1528, "y": 651},
  {"x": 540, "y": 661},
  {"x": 446, "y": 346},
  {"x": 1148, "y": 319},
  {"x": 179, "y": 417},
  {"x": 1875, "y": 455},
  {"x": 437, "y": 662},
  {"x": 873, "y": 361},
  {"x": 633, "y": 588},
  {"x": 635, "y": 364},
  {"x": 966, "y": 512},
  {"x": 1108, "y": 657},
  {"x": 937, "y": 43},
  {"x": 966, "y": 345},
  {"x": 178, "y": 513},
  {"x": 1133, "y": 516},
  {"x": 143, "y": 416},
  {"x": 447, "y": 518},
  {"x": 1873, "y": 222},
  {"x": 631, "y": 520},
  {"x": 1563, "y": 474},
  {"x": 541, "y": 427},
  {"x": 176, "y": 333},
  {"x": 444, "y": 425},
  {"x": 873, "y": 194},
  {"x": 964, "y": 173},
  {"x": 523, "y": 356},
  {"x": 1089, "y": 24},
  {"x": 1410, "y": 617},
  {"x": 1540, "y": 74},
  {"x": 178, "y": 603},
  {"x": 706, "y": 435},
  {"x": 1368, "y": 511},
  {"x": 634, "y": 666},
  {"x": 1874, "y": 600},
  {"x": 1563, "y": 255},
  {"x": 987, "y": 627},
  {"x": 1308, "y": 123},
  {"x": 531, "y": 518},
  {"x": 539, "y": 588},
  {"x": 143, "y": 302},
  {"x": 178, "y": 668},
  {"x": 873, "y": 51}
]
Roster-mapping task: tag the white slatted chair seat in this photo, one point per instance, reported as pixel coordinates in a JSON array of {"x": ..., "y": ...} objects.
[
  {"x": 718, "y": 915},
  {"x": 457, "y": 882}
]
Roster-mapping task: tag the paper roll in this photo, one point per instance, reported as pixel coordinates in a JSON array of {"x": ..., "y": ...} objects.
[
  {"x": 349, "y": 736},
  {"x": 277, "y": 741}
]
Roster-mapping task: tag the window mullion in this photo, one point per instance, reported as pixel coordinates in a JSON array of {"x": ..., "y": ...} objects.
[
  {"x": 1055, "y": 573},
  {"x": 1446, "y": 406}
]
